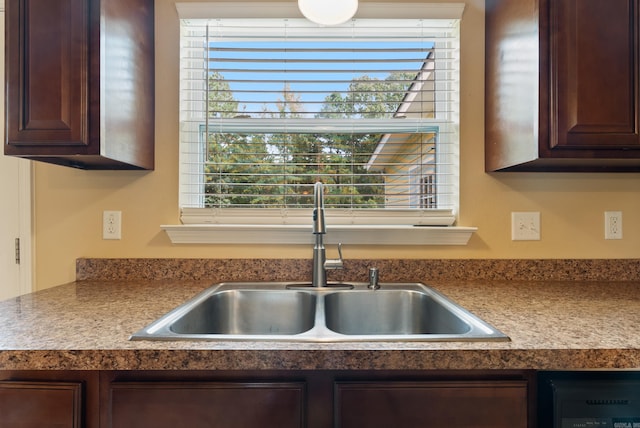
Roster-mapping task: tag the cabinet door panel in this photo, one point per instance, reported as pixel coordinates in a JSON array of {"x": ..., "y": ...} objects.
[
  {"x": 207, "y": 405},
  {"x": 457, "y": 404},
  {"x": 40, "y": 404},
  {"x": 595, "y": 76},
  {"x": 47, "y": 92}
]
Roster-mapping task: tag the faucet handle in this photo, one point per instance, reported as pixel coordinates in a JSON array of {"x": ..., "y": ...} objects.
[{"x": 335, "y": 263}]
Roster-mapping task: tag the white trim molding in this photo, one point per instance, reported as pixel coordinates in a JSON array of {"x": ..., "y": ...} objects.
[{"x": 301, "y": 234}]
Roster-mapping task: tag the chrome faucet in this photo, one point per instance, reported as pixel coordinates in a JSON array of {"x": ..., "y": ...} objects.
[{"x": 320, "y": 262}]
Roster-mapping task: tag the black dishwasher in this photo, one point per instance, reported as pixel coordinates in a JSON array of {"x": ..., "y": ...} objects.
[{"x": 589, "y": 400}]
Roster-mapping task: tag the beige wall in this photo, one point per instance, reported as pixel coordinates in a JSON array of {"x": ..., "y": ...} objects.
[{"x": 69, "y": 203}]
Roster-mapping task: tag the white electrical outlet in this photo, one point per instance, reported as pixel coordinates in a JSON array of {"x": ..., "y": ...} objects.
[
  {"x": 112, "y": 225},
  {"x": 525, "y": 226},
  {"x": 613, "y": 225}
]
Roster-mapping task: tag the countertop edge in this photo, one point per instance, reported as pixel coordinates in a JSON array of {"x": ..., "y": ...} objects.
[{"x": 454, "y": 359}]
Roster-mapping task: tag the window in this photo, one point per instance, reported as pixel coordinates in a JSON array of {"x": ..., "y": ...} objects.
[{"x": 271, "y": 105}]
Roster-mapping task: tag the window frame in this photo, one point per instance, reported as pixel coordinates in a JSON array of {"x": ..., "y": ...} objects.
[{"x": 246, "y": 226}]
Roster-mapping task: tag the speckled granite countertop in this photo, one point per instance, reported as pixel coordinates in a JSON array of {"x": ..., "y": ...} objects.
[{"x": 552, "y": 325}]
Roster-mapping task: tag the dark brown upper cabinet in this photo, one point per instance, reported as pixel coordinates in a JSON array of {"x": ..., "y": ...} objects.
[
  {"x": 80, "y": 82},
  {"x": 562, "y": 85}
]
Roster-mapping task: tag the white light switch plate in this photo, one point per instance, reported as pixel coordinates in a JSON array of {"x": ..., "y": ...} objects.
[{"x": 525, "y": 226}]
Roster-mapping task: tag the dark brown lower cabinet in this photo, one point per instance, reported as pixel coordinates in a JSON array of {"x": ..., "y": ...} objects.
[
  {"x": 207, "y": 405},
  {"x": 460, "y": 404},
  {"x": 46, "y": 404},
  {"x": 267, "y": 399}
]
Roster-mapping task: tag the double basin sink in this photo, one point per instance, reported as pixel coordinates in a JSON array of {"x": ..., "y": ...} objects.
[{"x": 282, "y": 311}]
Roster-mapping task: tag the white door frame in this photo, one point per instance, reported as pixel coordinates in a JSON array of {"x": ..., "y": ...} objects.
[
  {"x": 25, "y": 172},
  {"x": 25, "y": 202}
]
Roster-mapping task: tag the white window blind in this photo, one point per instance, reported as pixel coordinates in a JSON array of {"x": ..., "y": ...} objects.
[{"x": 270, "y": 106}]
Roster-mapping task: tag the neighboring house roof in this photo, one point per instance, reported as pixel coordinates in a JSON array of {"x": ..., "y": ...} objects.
[{"x": 417, "y": 95}]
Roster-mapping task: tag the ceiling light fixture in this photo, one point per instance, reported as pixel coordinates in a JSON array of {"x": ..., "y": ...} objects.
[{"x": 328, "y": 12}]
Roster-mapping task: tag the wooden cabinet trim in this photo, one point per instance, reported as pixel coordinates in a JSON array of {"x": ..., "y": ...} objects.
[
  {"x": 437, "y": 404},
  {"x": 58, "y": 404},
  {"x": 594, "y": 70},
  {"x": 42, "y": 45},
  {"x": 207, "y": 404}
]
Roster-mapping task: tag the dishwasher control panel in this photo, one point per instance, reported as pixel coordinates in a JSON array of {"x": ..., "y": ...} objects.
[{"x": 596, "y": 403}]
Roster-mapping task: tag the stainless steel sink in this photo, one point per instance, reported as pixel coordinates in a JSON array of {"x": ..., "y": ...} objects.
[
  {"x": 249, "y": 312},
  {"x": 397, "y": 312},
  {"x": 295, "y": 312}
]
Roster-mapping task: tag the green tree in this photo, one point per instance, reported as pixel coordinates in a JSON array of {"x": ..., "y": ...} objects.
[
  {"x": 279, "y": 169},
  {"x": 233, "y": 160},
  {"x": 366, "y": 98},
  {"x": 221, "y": 102}
]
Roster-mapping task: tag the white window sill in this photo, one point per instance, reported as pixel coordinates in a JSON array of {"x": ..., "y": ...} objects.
[{"x": 301, "y": 234}]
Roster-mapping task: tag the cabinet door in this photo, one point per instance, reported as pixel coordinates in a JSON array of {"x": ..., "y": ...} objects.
[
  {"x": 206, "y": 405},
  {"x": 40, "y": 404},
  {"x": 80, "y": 79},
  {"x": 595, "y": 79},
  {"x": 47, "y": 72},
  {"x": 460, "y": 404}
]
